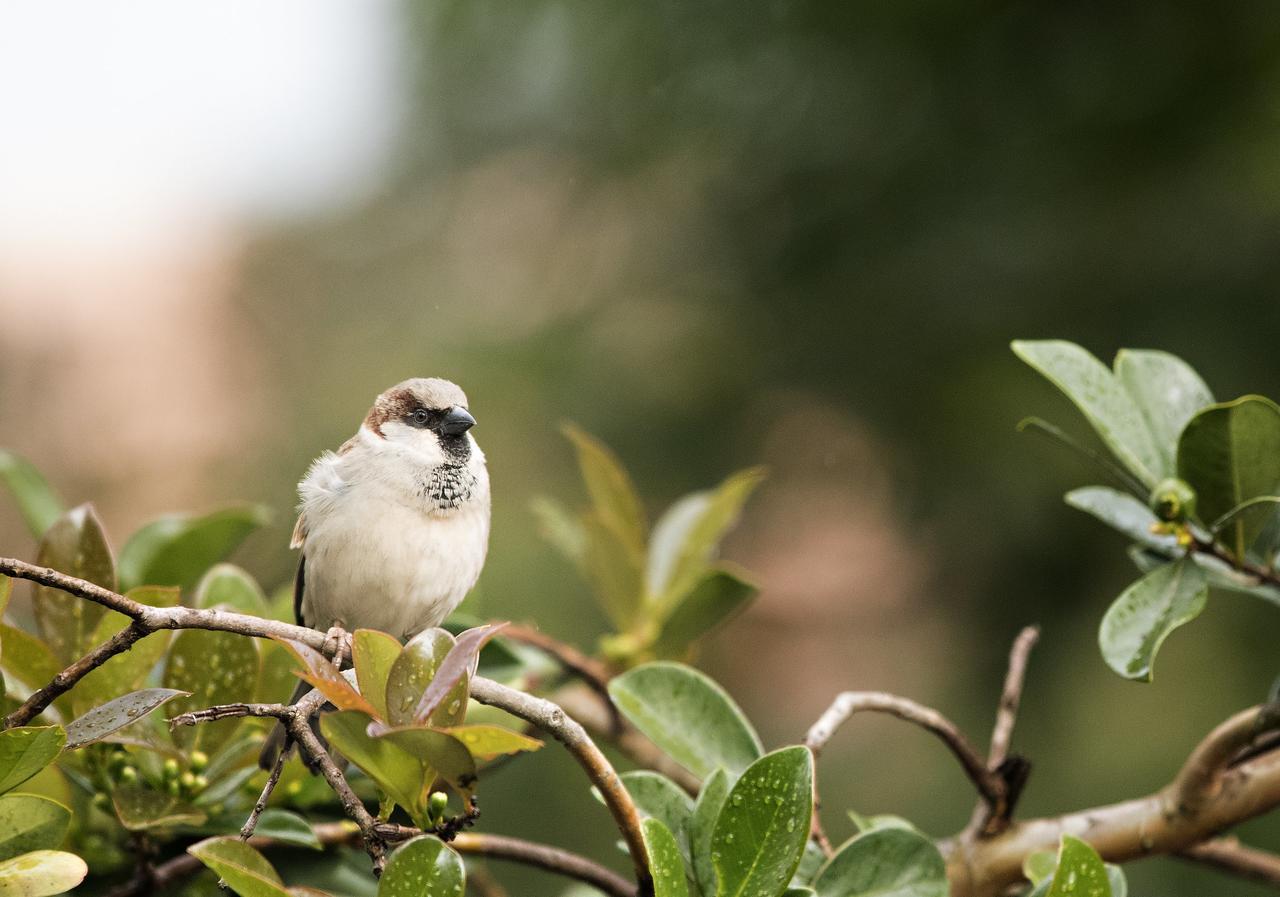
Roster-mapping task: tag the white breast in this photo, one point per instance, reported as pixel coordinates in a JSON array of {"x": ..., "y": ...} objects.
[{"x": 377, "y": 555}]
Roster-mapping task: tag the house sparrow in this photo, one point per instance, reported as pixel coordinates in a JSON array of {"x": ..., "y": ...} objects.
[{"x": 394, "y": 526}]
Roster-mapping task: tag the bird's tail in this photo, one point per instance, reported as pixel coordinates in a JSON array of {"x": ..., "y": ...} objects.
[{"x": 279, "y": 741}]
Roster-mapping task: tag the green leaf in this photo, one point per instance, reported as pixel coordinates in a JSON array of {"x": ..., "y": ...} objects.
[
  {"x": 762, "y": 829},
  {"x": 27, "y": 658},
  {"x": 720, "y": 594},
  {"x": 1139, "y": 621},
  {"x": 41, "y": 873},
  {"x": 561, "y": 528},
  {"x": 177, "y": 549},
  {"x": 811, "y": 861},
  {"x": 658, "y": 797},
  {"x": 245, "y": 871},
  {"x": 1039, "y": 865},
  {"x": 140, "y": 808},
  {"x": 440, "y": 751},
  {"x": 114, "y": 715},
  {"x": 612, "y": 493},
  {"x": 1079, "y": 871},
  {"x": 423, "y": 866},
  {"x": 614, "y": 570},
  {"x": 715, "y": 791},
  {"x": 289, "y": 827},
  {"x": 664, "y": 860},
  {"x": 688, "y": 716},
  {"x": 1168, "y": 391},
  {"x": 866, "y": 824},
  {"x": 228, "y": 585},
  {"x": 36, "y": 500},
  {"x": 686, "y": 538},
  {"x": 1099, "y": 460},
  {"x": 399, "y": 774},
  {"x": 373, "y": 654},
  {"x": 124, "y": 672},
  {"x": 321, "y": 673},
  {"x": 486, "y": 742},
  {"x": 1230, "y": 453},
  {"x": 1121, "y": 511},
  {"x": 76, "y": 545},
  {"x": 412, "y": 673},
  {"x": 25, "y": 750},
  {"x": 886, "y": 862},
  {"x": 29, "y": 822},
  {"x": 1103, "y": 399},
  {"x": 798, "y": 892},
  {"x": 444, "y": 702},
  {"x": 214, "y": 668}
]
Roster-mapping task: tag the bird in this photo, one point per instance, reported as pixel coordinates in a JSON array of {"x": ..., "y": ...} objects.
[{"x": 393, "y": 527}]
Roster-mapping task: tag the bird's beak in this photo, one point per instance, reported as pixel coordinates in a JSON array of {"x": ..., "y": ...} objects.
[{"x": 457, "y": 421}]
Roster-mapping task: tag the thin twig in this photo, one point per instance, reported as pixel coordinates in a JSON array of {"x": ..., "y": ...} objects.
[
  {"x": 989, "y": 785},
  {"x": 1011, "y": 695},
  {"x": 250, "y": 824},
  {"x": 63, "y": 682},
  {"x": 1229, "y": 855},
  {"x": 552, "y": 719},
  {"x": 542, "y": 856}
]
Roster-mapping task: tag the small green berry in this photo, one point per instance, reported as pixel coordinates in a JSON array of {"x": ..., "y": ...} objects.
[
  {"x": 437, "y": 804},
  {"x": 187, "y": 780},
  {"x": 171, "y": 769},
  {"x": 1173, "y": 500},
  {"x": 200, "y": 783},
  {"x": 199, "y": 761},
  {"x": 127, "y": 775}
]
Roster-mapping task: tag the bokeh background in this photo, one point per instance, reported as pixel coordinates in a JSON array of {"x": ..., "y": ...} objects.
[{"x": 716, "y": 234}]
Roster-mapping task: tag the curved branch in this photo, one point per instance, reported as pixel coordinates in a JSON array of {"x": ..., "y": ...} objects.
[
  {"x": 1229, "y": 855},
  {"x": 988, "y": 783},
  {"x": 1011, "y": 695},
  {"x": 542, "y": 856}
]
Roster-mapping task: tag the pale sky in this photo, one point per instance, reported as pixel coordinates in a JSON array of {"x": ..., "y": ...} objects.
[{"x": 131, "y": 124}]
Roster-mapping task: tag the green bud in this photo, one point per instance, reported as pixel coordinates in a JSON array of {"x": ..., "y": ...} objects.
[
  {"x": 199, "y": 761},
  {"x": 171, "y": 788},
  {"x": 1173, "y": 500},
  {"x": 171, "y": 769},
  {"x": 437, "y": 804},
  {"x": 187, "y": 780},
  {"x": 200, "y": 783},
  {"x": 127, "y": 775},
  {"x": 102, "y": 800},
  {"x": 117, "y": 761}
]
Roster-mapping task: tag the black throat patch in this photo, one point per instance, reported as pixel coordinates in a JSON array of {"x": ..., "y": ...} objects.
[{"x": 448, "y": 486}]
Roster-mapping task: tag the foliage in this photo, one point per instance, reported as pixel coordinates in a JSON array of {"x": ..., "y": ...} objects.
[{"x": 1200, "y": 482}]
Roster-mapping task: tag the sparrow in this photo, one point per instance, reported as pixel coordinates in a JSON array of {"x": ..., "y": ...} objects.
[{"x": 393, "y": 527}]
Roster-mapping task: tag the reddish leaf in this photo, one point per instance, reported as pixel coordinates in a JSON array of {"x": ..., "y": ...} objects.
[
  {"x": 460, "y": 661},
  {"x": 321, "y": 673}
]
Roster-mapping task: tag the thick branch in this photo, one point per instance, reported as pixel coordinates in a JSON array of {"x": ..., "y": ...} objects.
[
  {"x": 1229, "y": 855},
  {"x": 1162, "y": 823},
  {"x": 554, "y": 721},
  {"x": 989, "y": 785}
]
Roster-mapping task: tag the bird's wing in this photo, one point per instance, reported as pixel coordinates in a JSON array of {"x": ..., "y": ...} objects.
[{"x": 299, "y": 584}]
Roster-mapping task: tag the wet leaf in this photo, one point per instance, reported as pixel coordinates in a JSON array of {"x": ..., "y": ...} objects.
[
  {"x": 124, "y": 672},
  {"x": 686, "y": 538},
  {"x": 35, "y": 498},
  {"x": 454, "y": 673},
  {"x": 287, "y": 826},
  {"x": 114, "y": 715},
  {"x": 664, "y": 860},
  {"x": 76, "y": 545},
  {"x": 413, "y": 671},
  {"x": 1144, "y": 615},
  {"x": 687, "y": 715},
  {"x": 658, "y": 797},
  {"x": 140, "y": 808},
  {"x": 719, "y": 595},
  {"x": 885, "y": 862},
  {"x": 229, "y": 586},
  {"x": 1230, "y": 453},
  {"x": 1105, "y": 402},
  {"x": 177, "y": 549},
  {"x": 715, "y": 791},
  {"x": 1167, "y": 390},
  {"x": 215, "y": 668},
  {"x": 41, "y": 873},
  {"x": 320, "y": 673},
  {"x": 760, "y": 834},
  {"x": 447, "y": 755},
  {"x": 1121, "y": 511},
  {"x": 373, "y": 654},
  {"x": 245, "y": 871},
  {"x": 29, "y": 822},
  {"x": 1079, "y": 871},
  {"x": 423, "y": 866},
  {"x": 25, "y": 750},
  {"x": 486, "y": 742},
  {"x": 403, "y": 777}
]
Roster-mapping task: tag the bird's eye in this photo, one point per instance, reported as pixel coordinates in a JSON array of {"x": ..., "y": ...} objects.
[{"x": 420, "y": 417}]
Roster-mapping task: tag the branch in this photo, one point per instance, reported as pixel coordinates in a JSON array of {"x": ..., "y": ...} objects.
[
  {"x": 1229, "y": 855},
  {"x": 990, "y": 785},
  {"x": 1208, "y": 796},
  {"x": 554, "y": 721},
  {"x": 1011, "y": 695}
]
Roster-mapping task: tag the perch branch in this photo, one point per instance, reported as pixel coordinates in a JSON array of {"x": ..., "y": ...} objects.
[
  {"x": 1229, "y": 855},
  {"x": 989, "y": 784}
]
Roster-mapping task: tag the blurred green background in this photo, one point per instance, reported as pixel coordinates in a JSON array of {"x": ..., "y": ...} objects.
[{"x": 714, "y": 234}]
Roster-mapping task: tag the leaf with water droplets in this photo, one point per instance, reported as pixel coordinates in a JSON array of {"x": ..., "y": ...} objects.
[
  {"x": 687, "y": 715},
  {"x": 112, "y": 716},
  {"x": 884, "y": 862},
  {"x": 664, "y": 860},
  {"x": 75, "y": 545},
  {"x": 373, "y": 654},
  {"x": 215, "y": 668},
  {"x": 423, "y": 866},
  {"x": 26, "y": 750},
  {"x": 1079, "y": 872},
  {"x": 486, "y": 742},
  {"x": 454, "y": 671},
  {"x": 763, "y": 826},
  {"x": 245, "y": 871},
  {"x": 660, "y": 798},
  {"x": 29, "y": 822},
  {"x": 41, "y": 873},
  {"x": 227, "y": 585},
  {"x": 411, "y": 673},
  {"x": 715, "y": 791},
  {"x": 1144, "y": 615},
  {"x": 127, "y": 671},
  {"x": 443, "y": 753},
  {"x": 403, "y": 777}
]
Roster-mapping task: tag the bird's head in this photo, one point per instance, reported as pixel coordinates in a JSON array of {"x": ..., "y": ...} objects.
[{"x": 426, "y": 416}]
